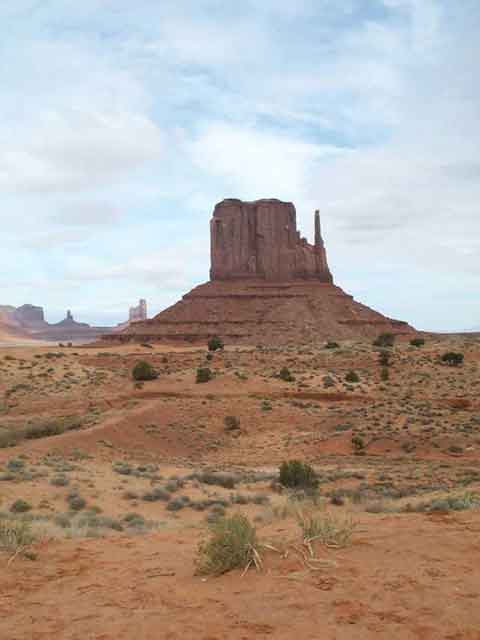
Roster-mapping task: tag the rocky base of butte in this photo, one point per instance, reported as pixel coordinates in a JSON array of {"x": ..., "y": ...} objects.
[{"x": 268, "y": 286}]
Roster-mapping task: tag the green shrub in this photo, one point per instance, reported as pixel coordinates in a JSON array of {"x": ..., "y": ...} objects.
[
  {"x": 358, "y": 443},
  {"x": 215, "y": 344},
  {"x": 296, "y": 474},
  {"x": 384, "y": 374},
  {"x": 285, "y": 375},
  {"x": 143, "y": 371},
  {"x": 232, "y": 545},
  {"x": 204, "y": 374},
  {"x": 44, "y": 430},
  {"x": 452, "y": 359},
  {"x": 417, "y": 342},
  {"x": 20, "y": 506},
  {"x": 384, "y": 340},
  {"x": 352, "y": 376}
]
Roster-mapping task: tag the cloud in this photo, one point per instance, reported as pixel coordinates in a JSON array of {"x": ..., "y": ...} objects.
[{"x": 121, "y": 125}]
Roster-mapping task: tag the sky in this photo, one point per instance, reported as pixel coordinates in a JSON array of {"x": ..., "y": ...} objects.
[{"x": 123, "y": 123}]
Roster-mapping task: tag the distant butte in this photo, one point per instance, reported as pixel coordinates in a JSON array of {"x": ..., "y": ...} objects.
[{"x": 268, "y": 286}]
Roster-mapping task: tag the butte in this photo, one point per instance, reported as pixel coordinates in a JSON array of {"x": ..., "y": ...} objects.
[{"x": 267, "y": 286}]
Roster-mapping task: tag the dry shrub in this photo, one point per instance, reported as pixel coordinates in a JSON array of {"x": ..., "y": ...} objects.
[
  {"x": 232, "y": 545},
  {"x": 325, "y": 528},
  {"x": 15, "y": 535}
]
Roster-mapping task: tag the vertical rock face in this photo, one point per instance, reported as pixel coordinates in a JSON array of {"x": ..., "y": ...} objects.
[{"x": 260, "y": 240}]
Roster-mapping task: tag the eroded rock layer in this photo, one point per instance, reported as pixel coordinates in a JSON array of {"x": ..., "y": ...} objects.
[{"x": 256, "y": 312}]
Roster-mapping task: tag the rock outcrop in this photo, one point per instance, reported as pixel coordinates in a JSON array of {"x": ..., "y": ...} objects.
[
  {"x": 268, "y": 286},
  {"x": 260, "y": 240}
]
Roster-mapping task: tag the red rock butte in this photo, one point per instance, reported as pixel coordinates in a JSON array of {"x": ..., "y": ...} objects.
[{"x": 268, "y": 286}]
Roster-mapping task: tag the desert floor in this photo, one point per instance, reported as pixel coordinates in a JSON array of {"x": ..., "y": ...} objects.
[{"x": 118, "y": 483}]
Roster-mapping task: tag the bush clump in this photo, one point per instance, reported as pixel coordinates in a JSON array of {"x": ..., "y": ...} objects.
[
  {"x": 296, "y": 474},
  {"x": 20, "y": 506},
  {"x": 215, "y": 344},
  {"x": 232, "y": 545},
  {"x": 384, "y": 340},
  {"x": 452, "y": 358},
  {"x": 204, "y": 374},
  {"x": 232, "y": 423},
  {"x": 332, "y": 345},
  {"x": 286, "y": 375},
  {"x": 417, "y": 342},
  {"x": 352, "y": 376},
  {"x": 144, "y": 371}
]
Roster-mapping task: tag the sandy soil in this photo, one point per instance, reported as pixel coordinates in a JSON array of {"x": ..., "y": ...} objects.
[{"x": 398, "y": 462}]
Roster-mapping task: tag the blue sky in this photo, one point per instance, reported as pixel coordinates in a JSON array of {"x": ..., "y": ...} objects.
[{"x": 122, "y": 124}]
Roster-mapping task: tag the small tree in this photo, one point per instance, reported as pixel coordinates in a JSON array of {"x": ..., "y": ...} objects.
[
  {"x": 452, "y": 358},
  {"x": 384, "y": 340},
  {"x": 144, "y": 371},
  {"x": 215, "y": 344},
  {"x": 296, "y": 474}
]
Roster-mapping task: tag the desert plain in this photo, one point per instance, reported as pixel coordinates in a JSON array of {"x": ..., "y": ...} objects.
[{"x": 114, "y": 484}]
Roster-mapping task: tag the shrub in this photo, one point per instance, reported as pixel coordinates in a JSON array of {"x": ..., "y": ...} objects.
[
  {"x": 358, "y": 442},
  {"x": 59, "y": 481},
  {"x": 156, "y": 494},
  {"x": 328, "y": 381},
  {"x": 285, "y": 375},
  {"x": 204, "y": 374},
  {"x": 325, "y": 528},
  {"x": 20, "y": 506},
  {"x": 15, "y": 535},
  {"x": 352, "y": 376},
  {"x": 144, "y": 371},
  {"x": 384, "y": 374},
  {"x": 452, "y": 358},
  {"x": 232, "y": 545},
  {"x": 384, "y": 340},
  {"x": 232, "y": 423},
  {"x": 332, "y": 345},
  {"x": 44, "y": 430},
  {"x": 178, "y": 503},
  {"x": 296, "y": 474},
  {"x": 15, "y": 464},
  {"x": 417, "y": 342},
  {"x": 215, "y": 344},
  {"x": 219, "y": 478},
  {"x": 76, "y": 502}
]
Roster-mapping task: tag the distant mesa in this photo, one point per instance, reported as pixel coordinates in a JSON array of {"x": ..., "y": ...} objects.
[
  {"x": 268, "y": 285},
  {"x": 30, "y": 317},
  {"x": 28, "y": 321}
]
